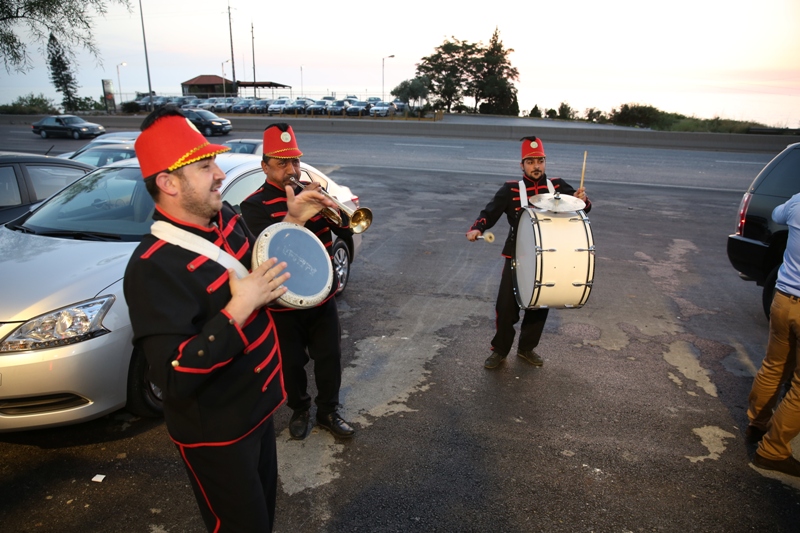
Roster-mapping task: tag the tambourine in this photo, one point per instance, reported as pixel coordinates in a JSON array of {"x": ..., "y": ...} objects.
[{"x": 306, "y": 260}]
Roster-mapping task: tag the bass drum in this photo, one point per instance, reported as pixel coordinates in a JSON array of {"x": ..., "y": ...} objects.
[
  {"x": 306, "y": 260},
  {"x": 553, "y": 264}
]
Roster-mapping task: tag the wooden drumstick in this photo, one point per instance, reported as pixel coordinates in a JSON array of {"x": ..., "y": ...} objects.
[
  {"x": 488, "y": 237},
  {"x": 583, "y": 171}
]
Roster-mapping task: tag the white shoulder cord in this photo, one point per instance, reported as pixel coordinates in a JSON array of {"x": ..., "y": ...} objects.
[
  {"x": 194, "y": 243},
  {"x": 523, "y": 194}
]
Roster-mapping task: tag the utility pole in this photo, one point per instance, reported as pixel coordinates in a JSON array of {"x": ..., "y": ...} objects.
[
  {"x": 233, "y": 64},
  {"x": 253, "y": 44}
]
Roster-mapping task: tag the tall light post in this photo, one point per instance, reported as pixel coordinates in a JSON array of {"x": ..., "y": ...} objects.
[
  {"x": 223, "y": 77},
  {"x": 383, "y": 70},
  {"x": 146, "y": 62},
  {"x": 119, "y": 83},
  {"x": 302, "y": 93}
]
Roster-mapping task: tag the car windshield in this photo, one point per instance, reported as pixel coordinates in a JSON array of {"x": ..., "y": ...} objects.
[
  {"x": 72, "y": 120},
  {"x": 102, "y": 156},
  {"x": 338, "y": 102},
  {"x": 208, "y": 115},
  {"x": 110, "y": 202},
  {"x": 321, "y": 102},
  {"x": 362, "y": 104}
]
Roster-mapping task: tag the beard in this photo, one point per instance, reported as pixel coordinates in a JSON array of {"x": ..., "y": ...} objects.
[{"x": 204, "y": 205}]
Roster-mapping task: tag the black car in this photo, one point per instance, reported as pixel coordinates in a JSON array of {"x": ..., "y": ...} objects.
[
  {"x": 338, "y": 107},
  {"x": 320, "y": 107},
  {"x": 756, "y": 248},
  {"x": 298, "y": 107},
  {"x": 358, "y": 108},
  {"x": 66, "y": 126},
  {"x": 26, "y": 179},
  {"x": 207, "y": 122},
  {"x": 259, "y": 106}
]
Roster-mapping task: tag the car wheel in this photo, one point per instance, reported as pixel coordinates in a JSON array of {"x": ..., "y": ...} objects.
[
  {"x": 341, "y": 264},
  {"x": 207, "y": 131},
  {"x": 769, "y": 290},
  {"x": 43, "y": 134},
  {"x": 144, "y": 397},
  {"x": 76, "y": 135}
]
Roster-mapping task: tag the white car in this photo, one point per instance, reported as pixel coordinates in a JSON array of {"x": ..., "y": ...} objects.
[{"x": 66, "y": 354}]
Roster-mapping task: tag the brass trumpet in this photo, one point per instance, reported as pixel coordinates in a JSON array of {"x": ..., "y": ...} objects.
[{"x": 360, "y": 219}]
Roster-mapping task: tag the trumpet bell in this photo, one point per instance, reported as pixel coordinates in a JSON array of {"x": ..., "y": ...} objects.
[{"x": 361, "y": 219}]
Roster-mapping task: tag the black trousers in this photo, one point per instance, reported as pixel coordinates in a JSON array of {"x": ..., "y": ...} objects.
[
  {"x": 507, "y": 310},
  {"x": 311, "y": 333},
  {"x": 235, "y": 484}
]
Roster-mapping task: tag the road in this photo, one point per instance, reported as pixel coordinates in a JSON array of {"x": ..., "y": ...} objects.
[{"x": 634, "y": 423}]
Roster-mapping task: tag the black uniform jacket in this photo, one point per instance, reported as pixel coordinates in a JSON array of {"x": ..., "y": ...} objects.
[
  {"x": 219, "y": 381},
  {"x": 267, "y": 206},
  {"x": 506, "y": 200}
]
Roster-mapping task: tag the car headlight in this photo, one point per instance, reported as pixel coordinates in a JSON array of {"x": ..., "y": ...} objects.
[
  {"x": 67, "y": 325},
  {"x": 84, "y": 129},
  {"x": 214, "y": 122}
]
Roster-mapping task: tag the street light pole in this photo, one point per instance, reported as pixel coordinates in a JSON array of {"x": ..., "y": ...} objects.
[
  {"x": 224, "y": 94},
  {"x": 383, "y": 70},
  {"x": 146, "y": 62},
  {"x": 119, "y": 83}
]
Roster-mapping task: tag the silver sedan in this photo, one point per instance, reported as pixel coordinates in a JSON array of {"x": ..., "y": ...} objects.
[{"x": 66, "y": 354}]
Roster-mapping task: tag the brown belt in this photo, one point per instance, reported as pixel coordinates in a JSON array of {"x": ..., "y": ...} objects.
[{"x": 790, "y": 296}]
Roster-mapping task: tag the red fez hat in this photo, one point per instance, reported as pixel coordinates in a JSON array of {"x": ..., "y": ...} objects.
[
  {"x": 172, "y": 142},
  {"x": 280, "y": 144},
  {"x": 532, "y": 147}
]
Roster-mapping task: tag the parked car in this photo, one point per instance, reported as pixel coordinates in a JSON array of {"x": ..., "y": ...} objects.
[
  {"x": 102, "y": 155},
  {"x": 276, "y": 107},
  {"x": 338, "y": 107},
  {"x": 66, "y": 126},
  {"x": 207, "y": 122},
  {"x": 383, "y": 109},
  {"x": 260, "y": 106},
  {"x": 756, "y": 248},
  {"x": 116, "y": 137},
  {"x": 223, "y": 105},
  {"x": 359, "y": 109},
  {"x": 297, "y": 107},
  {"x": 208, "y": 104},
  {"x": 243, "y": 105},
  {"x": 180, "y": 101},
  {"x": 320, "y": 107},
  {"x": 65, "y": 333},
  {"x": 145, "y": 103},
  {"x": 26, "y": 179},
  {"x": 373, "y": 100},
  {"x": 194, "y": 103},
  {"x": 246, "y": 146}
]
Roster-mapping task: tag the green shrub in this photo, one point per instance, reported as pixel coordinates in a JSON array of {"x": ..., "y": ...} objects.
[
  {"x": 130, "y": 107},
  {"x": 30, "y": 105}
]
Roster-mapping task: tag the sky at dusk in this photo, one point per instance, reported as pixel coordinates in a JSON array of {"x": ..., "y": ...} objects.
[{"x": 705, "y": 58}]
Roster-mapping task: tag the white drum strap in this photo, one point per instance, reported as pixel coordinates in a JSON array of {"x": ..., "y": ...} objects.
[
  {"x": 523, "y": 194},
  {"x": 194, "y": 243}
]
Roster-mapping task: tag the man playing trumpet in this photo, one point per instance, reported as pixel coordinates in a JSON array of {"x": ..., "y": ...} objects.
[{"x": 302, "y": 333}]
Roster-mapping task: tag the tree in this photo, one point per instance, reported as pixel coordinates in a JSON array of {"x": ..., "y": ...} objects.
[
  {"x": 70, "y": 21},
  {"x": 565, "y": 112},
  {"x": 30, "y": 105},
  {"x": 415, "y": 89},
  {"x": 446, "y": 70},
  {"x": 536, "y": 112},
  {"x": 492, "y": 78},
  {"x": 61, "y": 74}
]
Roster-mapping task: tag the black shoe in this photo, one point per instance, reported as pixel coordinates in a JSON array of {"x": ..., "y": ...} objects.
[
  {"x": 298, "y": 424},
  {"x": 790, "y": 465},
  {"x": 494, "y": 360},
  {"x": 754, "y": 434},
  {"x": 531, "y": 357},
  {"x": 336, "y": 425}
]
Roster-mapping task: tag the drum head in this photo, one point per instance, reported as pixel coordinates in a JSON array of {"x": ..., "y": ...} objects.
[
  {"x": 524, "y": 264},
  {"x": 306, "y": 260}
]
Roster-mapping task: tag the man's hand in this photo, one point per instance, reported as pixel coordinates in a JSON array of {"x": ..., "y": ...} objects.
[
  {"x": 473, "y": 235},
  {"x": 580, "y": 194},
  {"x": 262, "y": 286},
  {"x": 305, "y": 205}
]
